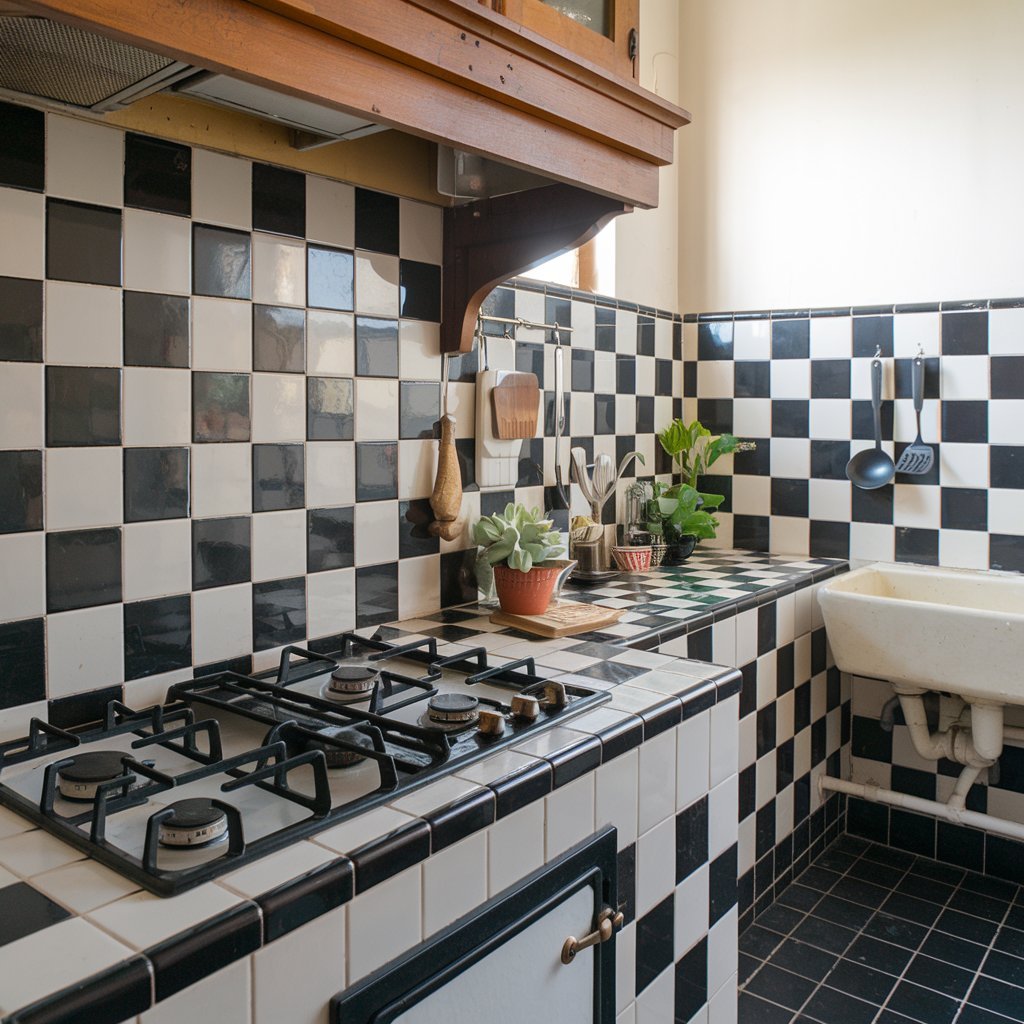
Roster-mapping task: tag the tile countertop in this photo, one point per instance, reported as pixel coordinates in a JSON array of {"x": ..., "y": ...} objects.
[{"x": 80, "y": 942}]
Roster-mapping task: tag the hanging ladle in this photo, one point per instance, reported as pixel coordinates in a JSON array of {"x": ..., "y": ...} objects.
[{"x": 872, "y": 468}]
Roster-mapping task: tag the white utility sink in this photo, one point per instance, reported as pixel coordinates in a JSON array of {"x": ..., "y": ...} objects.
[{"x": 953, "y": 630}]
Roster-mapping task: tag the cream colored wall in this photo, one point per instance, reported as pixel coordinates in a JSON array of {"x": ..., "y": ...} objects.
[{"x": 850, "y": 151}]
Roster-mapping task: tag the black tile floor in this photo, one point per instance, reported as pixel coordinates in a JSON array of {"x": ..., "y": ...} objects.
[{"x": 872, "y": 935}]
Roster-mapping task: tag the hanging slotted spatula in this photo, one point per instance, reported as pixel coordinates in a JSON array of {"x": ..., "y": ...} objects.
[{"x": 918, "y": 458}]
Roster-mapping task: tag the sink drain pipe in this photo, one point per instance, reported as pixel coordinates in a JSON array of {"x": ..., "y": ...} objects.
[{"x": 959, "y": 816}]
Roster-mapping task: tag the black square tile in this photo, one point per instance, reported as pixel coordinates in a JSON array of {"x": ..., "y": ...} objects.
[
  {"x": 789, "y": 497},
  {"x": 22, "y": 154},
  {"x": 278, "y": 339},
  {"x": 157, "y": 175},
  {"x": 376, "y": 594},
  {"x": 278, "y": 200},
  {"x": 781, "y": 987},
  {"x": 965, "y": 422},
  {"x": 903, "y": 377},
  {"x": 871, "y": 333},
  {"x": 691, "y": 839},
  {"x": 752, "y": 1008},
  {"x": 221, "y": 551},
  {"x": 964, "y": 508},
  {"x": 663, "y": 377},
  {"x": 83, "y": 406},
  {"x": 750, "y": 532},
  {"x": 157, "y": 636},
  {"x": 691, "y": 981},
  {"x": 529, "y": 359},
  {"x": 23, "y": 909},
  {"x": 830, "y": 378},
  {"x": 83, "y": 242},
  {"x": 604, "y": 414},
  {"x": 791, "y": 339},
  {"x": 582, "y": 370},
  {"x": 715, "y": 414},
  {"x": 80, "y": 708},
  {"x": 414, "y": 537},
  {"x": 377, "y": 470},
  {"x": 1007, "y": 375},
  {"x": 625, "y": 377},
  {"x": 922, "y": 1004},
  {"x": 862, "y": 423},
  {"x": 829, "y": 1004},
  {"x": 419, "y": 290},
  {"x": 329, "y": 541},
  {"x": 458, "y": 579},
  {"x": 1006, "y": 466},
  {"x": 419, "y": 408},
  {"x": 1009, "y": 969},
  {"x": 156, "y": 483},
  {"x": 464, "y": 367},
  {"x": 958, "y": 845},
  {"x": 278, "y": 613},
  {"x": 824, "y": 934},
  {"x": 756, "y": 461},
  {"x": 329, "y": 278},
  {"x": 654, "y": 942},
  {"x": 752, "y": 378},
  {"x": 221, "y": 262},
  {"x": 220, "y": 407},
  {"x": 21, "y": 491},
  {"x": 376, "y": 347},
  {"x": 278, "y": 477},
  {"x": 807, "y": 961},
  {"x": 21, "y": 320},
  {"x": 83, "y": 569},
  {"x": 940, "y": 976},
  {"x": 790, "y": 417},
  {"x": 377, "y": 218},
  {"x": 874, "y": 506},
  {"x": 881, "y": 956},
  {"x": 22, "y": 662},
  {"x": 156, "y": 329},
  {"x": 645, "y": 338},
  {"x": 830, "y": 540},
  {"x": 329, "y": 409},
  {"x": 965, "y": 334},
  {"x": 1004, "y": 552},
  {"x": 714, "y": 341},
  {"x": 917, "y": 545},
  {"x": 722, "y": 885},
  {"x": 873, "y": 986}
]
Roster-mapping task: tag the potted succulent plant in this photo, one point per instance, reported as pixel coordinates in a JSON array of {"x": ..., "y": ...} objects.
[
  {"x": 681, "y": 516},
  {"x": 517, "y": 547}
]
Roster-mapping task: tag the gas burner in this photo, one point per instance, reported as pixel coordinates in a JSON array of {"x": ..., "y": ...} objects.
[
  {"x": 451, "y": 711},
  {"x": 195, "y": 822},
  {"x": 336, "y": 757},
  {"x": 351, "y": 683},
  {"x": 80, "y": 779}
]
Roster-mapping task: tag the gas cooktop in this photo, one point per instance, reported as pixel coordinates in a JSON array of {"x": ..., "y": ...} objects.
[{"x": 233, "y": 767}]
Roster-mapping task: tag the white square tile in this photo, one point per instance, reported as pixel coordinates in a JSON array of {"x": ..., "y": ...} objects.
[
  {"x": 657, "y": 780},
  {"x": 515, "y": 847},
  {"x": 917, "y": 505},
  {"x": 581, "y": 415},
  {"x": 964, "y": 465},
  {"x": 751, "y": 495},
  {"x": 157, "y": 406},
  {"x": 723, "y": 952},
  {"x": 83, "y": 885},
  {"x": 278, "y": 545},
  {"x": 330, "y": 602},
  {"x": 221, "y": 623},
  {"x": 21, "y": 241},
  {"x": 278, "y": 270},
  {"x": 221, "y": 334},
  {"x": 84, "y": 650},
  {"x": 1004, "y": 419},
  {"x": 691, "y": 910},
  {"x": 723, "y": 812},
  {"x": 157, "y": 559},
  {"x": 752, "y": 417},
  {"x": 655, "y": 865},
  {"x": 419, "y": 231},
  {"x": 157, "y": 252},
  {"x": 617, "y": 790},
  {"x": 22, "y": 582},
  {"x": 454, "y": 882},
  {"x": 724, "y": 747},
  {"x": 224, "y": 996},
  {"x": 364, "y": 828},
  {"x": 27, "y": 854},
  {"x": 715, "y": 379},
  {"x": 751, "y": 339},
  {"x": 791, "y": 457},
  {"x": 387, "y": 920},
  {"x": 604, "y": 371},
  {"x": 83, "y": 487},
  {"x": 791, "y": 378},
  {"x": 376, "y": 410},
  {"x": 831, "y": 337},
  {"x": 294, "y": 978},
  {"x": 376, "y": 284},
  {"x": 914, "y": 331},
  {"x": 645, "y": 375},
  {"x": 569, "y": 816},
  {"x": 84, "y": 161},
  {"x": 1005, "y": 511},
  {"x": 21, "y": 405},
  {"x": 221, "y": 189},
  {"x": 278, "y": 407},
  {"x": 1006, "y": 332},
  {"x": 330, "y": 473},
  {"x": 419, "y": 585},
  {"x": 221, "y": 480},
  {"x": 830, "y": 499},
  {"x": 964, "y": 378},
  {"x": 723, "y": 642},
  {"x": 829, "y": 418},
  {"x": 83, "y": 324},
  {"x": 330, "y": 343},
  {"x": 330, "y": 212},
  {"x": 267, "y": 873},
  {"x": 417, "y": 463},
  {"x": 376, "y": 532},
  {"x": 419, "y": 350},
  {"x": 873, "y": 542},
  {"x": 767, "y": 679}
]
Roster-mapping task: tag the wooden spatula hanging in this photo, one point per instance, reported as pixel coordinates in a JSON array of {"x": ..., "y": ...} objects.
[{"x": 446, "y": 498}]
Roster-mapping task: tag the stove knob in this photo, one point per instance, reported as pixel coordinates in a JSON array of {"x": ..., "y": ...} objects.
[
  {"x": 491, "y": 723},
  {"x": 525, "y": 707},
  {"x": 554, "y": 695}
]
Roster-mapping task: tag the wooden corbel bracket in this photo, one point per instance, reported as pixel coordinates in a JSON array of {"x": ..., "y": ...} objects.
[{"x": 488, "y": 241}]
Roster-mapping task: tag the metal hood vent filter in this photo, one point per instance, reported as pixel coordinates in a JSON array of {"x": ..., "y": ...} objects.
[{"x": 58, "y": 62}]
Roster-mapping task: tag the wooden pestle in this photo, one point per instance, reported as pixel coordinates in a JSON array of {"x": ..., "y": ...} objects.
[{"x": 446, "y": 498}]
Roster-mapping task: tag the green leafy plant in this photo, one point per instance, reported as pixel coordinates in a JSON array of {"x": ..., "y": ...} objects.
[
  {"x": 695, "y": 449},
  {"x": 519, "y": 537},
  {"x": 681, "y": 511}
]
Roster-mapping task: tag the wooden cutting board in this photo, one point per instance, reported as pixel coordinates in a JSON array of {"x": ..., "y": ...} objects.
[{"x": 567, "y": 618}]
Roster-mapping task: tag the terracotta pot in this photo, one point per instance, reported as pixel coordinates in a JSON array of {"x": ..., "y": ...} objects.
[{"x": 525, "y": 593}]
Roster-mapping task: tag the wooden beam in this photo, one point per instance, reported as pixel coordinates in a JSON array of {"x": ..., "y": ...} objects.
[{"x": 491, "y": 240}]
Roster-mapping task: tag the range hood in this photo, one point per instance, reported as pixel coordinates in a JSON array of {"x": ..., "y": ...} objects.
[{"x": 49, "y": 60}]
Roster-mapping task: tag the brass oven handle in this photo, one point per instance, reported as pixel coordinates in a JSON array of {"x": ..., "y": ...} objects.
[{"x": 608, "y": 923}]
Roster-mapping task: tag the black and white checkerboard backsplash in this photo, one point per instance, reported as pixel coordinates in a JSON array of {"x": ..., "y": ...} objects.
[{"x": 219, "y": 382}]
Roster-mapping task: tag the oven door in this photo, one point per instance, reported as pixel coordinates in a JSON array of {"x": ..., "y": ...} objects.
[{"x": 504, "y": 962}]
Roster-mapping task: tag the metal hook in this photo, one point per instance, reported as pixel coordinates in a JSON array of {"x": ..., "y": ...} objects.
[{"x": 878, "y": 352}]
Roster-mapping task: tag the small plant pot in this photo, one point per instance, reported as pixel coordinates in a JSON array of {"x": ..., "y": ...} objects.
[
  {"x": 678, "y": 551},
  {"x": 525, "y": 593},
  {"x": 632, "y": 558}
]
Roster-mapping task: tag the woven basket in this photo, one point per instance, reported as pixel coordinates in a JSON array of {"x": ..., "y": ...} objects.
[{"x": 632, "y": 559}]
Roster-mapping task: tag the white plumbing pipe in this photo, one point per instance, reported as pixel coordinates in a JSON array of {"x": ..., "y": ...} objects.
[
  {"x": 958, "y": 798},
  {"x": 1011, "y": 829},
  {"x": 978, "y": 745}
]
